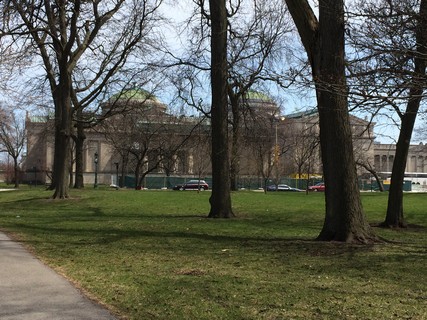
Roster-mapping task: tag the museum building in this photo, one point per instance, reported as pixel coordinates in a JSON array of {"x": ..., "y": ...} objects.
[{"x": 142, "y": 138}]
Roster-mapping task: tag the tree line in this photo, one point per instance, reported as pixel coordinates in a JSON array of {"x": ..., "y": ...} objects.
[{"x": 368, "y": 56}]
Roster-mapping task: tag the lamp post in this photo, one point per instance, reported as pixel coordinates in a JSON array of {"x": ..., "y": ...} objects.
[
  {"x": 117, "y": 173},
  {"x": 276, "y": 146},
  {"x": 96, "y": 170}
]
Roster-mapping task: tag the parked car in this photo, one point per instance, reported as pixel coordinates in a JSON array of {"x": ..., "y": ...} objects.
[
  {"x": 192, "y": 185},
  {"x": 282, "y": 187},
  {"x": 317, "y": 187}
]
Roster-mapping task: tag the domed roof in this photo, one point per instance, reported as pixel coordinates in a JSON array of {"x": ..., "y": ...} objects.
[
  {"x": 134, "y": 98},
  {"x": 256, "y": 95},
  {"x": 260, "y": 102},
  {"x": 134, "y": 95}
]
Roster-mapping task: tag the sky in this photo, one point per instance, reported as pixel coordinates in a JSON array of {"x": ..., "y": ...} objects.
[{"x": 290, "y": 101}]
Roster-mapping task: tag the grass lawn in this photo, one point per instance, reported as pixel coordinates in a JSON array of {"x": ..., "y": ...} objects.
[{"x": 154, "y": 255}]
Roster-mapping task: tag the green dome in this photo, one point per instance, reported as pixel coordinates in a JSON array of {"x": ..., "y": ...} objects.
[
  {"x": 134, "y": 98},
  {"x": 260, "y": 102},
  {"x": 137, "y": 95},
  {"x": 256, "y": 95}
]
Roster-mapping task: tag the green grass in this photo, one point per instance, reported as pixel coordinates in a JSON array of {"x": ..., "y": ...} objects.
[{"x": 154, "y": 255}]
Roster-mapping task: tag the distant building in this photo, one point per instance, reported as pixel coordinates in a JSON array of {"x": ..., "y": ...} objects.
[
  {"x": 131, "y": 108},
  {"x": 416, "y": 164},
  {"x": 270, "y": 144},
  {"x": 303, "y": 128}
]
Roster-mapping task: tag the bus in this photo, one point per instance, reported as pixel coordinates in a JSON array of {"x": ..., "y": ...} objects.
[{"x": 414, "y": 177}]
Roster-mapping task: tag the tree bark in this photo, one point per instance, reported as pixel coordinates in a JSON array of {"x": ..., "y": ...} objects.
[
  {"x": 79, "y": 143},
  {"x": 62, "y": 141},
  {"x": 70, "y": 165},
  {"x": 16, "y": 172},
  {"x": 324, "y": 43},
  {"x": 395, "y": 217},
  {"x": 220, "y": 199},
  {"x": 61, "y": 93}
]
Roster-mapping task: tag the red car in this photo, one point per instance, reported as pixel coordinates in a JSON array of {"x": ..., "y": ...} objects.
[{"x": 317, "y": 187}]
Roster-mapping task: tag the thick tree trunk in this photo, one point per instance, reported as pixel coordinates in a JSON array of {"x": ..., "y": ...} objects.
[
  {"x": 61, "y": 159},
  {"x": 344, "y": 220},
  {"x": 395, "y": 217},
  {"x": 220, "y": 199},
  {"x": 324, "y": 42},
  {"x": 63, "y": 125}
]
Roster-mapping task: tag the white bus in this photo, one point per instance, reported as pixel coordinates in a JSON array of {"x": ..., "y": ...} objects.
[{"x": 414, "y": 177}]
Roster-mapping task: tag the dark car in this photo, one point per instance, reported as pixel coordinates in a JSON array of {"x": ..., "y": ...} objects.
[
  {"x": 192, "y": 185},
  {"x": 317, "y": 187},
  {"x": 282, "y": 187}
]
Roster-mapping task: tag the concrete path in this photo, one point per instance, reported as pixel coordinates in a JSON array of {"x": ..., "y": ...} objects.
[{"x": 31, "y": 290}]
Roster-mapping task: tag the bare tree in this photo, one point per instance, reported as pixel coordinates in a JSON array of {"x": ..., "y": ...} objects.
[
  {"x": 255, "y": 51},
  {"x": 364, "y": 158},
  {"x": 220, "y": 199},
  {"x": 179, "y": 135},
  {"x": 304, "y": 144},
  {"x": 201, "y": 151},
  {"x": 323, "y": 40},
  {"x": 256, "y": 44},
  {"x": 391, "y": 42},
  {"x": 267, "y": 144},
  {"x": 137, "y": 136},
  {"x": 69, "y": 38},
  {"x": 12, "y": 139}
]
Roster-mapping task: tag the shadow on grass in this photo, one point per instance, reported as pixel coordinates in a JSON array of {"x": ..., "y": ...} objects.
[
  {"x": 196, "y": 241},
  {"x": 17, "y": 201}
]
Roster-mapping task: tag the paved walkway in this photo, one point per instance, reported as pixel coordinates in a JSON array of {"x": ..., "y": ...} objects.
[{"x": 31, "y": 290}]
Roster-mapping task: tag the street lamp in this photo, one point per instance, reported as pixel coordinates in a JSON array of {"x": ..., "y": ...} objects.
[
  {"x": 117, "y": 173},
  {"x": 96, "y": 170},
  {"x": 276, "y": 146}
]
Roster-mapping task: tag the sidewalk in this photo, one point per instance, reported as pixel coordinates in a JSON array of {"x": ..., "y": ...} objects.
[{"x": 30, "y": 290}]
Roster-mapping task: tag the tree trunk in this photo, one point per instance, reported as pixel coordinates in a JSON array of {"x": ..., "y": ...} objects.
[
  {"x": 324, "y": 42},
  {"x": 141, "y": 183},
  {"x": 63, "y": 123},
  {"x": 70, "y": 170},
  {"x": 137, "y": 178},
  {"x": 220, "y": 199},
  {"x": 16, "y": 171},
  {"x": 395, "y": 216},
  {"x": 61, "y": 161},
  {"x": 235, "y": 160},
  {"x": 79, "y": 143}
]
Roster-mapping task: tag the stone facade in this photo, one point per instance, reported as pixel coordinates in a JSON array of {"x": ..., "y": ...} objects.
[{"x": 287, "y": 145}]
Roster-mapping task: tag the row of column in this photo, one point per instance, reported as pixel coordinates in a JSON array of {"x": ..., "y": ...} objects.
[{"x": 384, "y": 163}]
